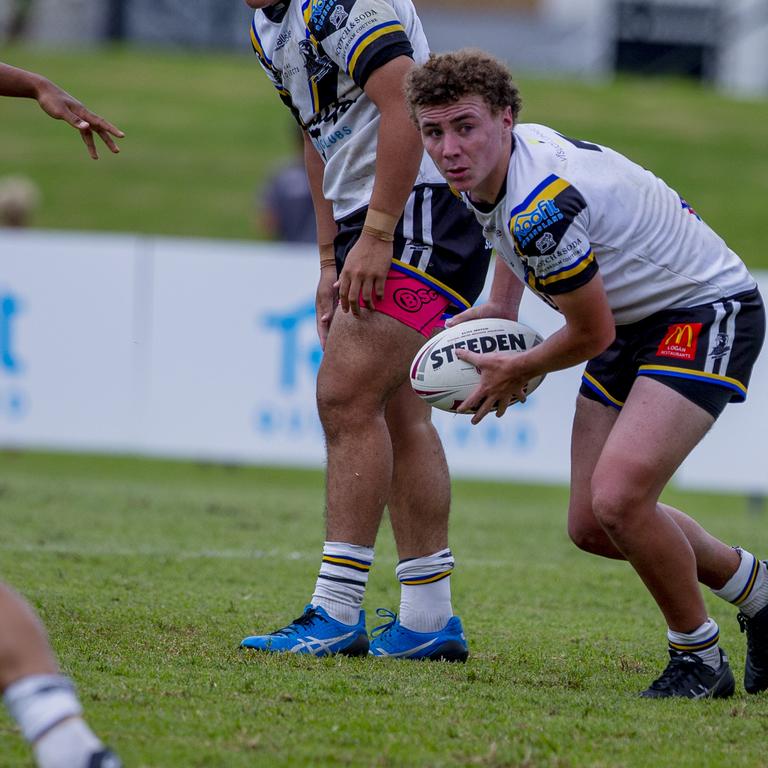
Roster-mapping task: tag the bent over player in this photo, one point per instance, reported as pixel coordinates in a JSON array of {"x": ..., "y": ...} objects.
[
  {"x": 401, "y": 251},
  {"x": 667, "y": 315},
  {"x": 41, "y": 700}
]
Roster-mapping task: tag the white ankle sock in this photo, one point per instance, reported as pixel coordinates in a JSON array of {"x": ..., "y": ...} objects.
[
  {"x": 748, "y": 587},
  {"x": 49, "y": 715},
  {"x": 702, "y": 642},
  {"x": 67, "y": 745},
  {"x": 425, "y": 591},
  {"x": 342, "y": 580}
]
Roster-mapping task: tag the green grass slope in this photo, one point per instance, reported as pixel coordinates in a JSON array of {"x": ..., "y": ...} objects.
[
  {"x": 148, "y": 574},
  {"x": 204, "y": 130}
]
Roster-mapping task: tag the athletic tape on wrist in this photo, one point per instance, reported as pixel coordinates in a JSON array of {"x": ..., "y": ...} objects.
[
  {"x": 385, "y": 223},
  {"x": 327, "y": 255}
]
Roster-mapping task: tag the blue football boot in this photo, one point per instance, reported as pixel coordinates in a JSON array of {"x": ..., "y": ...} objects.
[
  {"x": 316, "y": 633},
  {"x": 394, "y": 640}
]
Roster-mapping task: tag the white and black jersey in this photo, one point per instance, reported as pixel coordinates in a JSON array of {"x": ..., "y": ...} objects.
[
  {"x": 319, "y": 55},
  {"x": 572, "y": 208}
]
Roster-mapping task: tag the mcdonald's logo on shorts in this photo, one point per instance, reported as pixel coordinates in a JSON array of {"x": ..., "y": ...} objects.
[{"x": 680, "y": 341}]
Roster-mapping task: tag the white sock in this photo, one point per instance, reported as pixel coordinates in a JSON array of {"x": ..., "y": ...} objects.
[
  {"x": 342, "y": 580},
  {"x": 425, "y": 591},
  {"x": 67, "y": 745},
  {"x": 748, "y": 587},
  {"x": 49, "y": 715},
  {"x": 702, "y": 642}
]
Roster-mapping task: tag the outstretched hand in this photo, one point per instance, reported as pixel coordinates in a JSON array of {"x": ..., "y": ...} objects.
[{"x": 62, "y": 106}]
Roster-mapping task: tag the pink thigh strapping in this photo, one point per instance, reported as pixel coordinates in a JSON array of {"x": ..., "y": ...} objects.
[{"x": 413, "y": 303}]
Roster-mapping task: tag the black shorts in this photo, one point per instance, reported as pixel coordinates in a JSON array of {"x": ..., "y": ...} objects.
[
  {"x": 704, "y": 352},
  {"x": 438, "y": 241}
]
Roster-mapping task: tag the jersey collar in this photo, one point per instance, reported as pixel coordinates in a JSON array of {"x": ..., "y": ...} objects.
[{"x": 276, "y": 13}]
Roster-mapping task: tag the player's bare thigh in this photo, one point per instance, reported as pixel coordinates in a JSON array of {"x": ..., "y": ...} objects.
[
  {"x": 657, "y": 428},
  {"x": 592, "y": 423},
  {"x": 366, "y": 358}
]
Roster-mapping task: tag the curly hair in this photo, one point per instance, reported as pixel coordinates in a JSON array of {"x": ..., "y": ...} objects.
[{"x": 445, "y": 78}]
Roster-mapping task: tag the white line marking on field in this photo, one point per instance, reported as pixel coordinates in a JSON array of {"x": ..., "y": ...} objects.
[{"x": 205, "y": 554}]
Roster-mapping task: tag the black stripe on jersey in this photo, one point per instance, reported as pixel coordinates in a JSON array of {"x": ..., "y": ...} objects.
[
  {"x": 418, "y": 215},
  {"x": 328, "y": 84},
  {"x": 723, "y": 328},
  {"x": 379, "y": 53}
]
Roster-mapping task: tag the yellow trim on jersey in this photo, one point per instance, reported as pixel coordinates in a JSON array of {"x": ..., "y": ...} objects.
[
  {"x": 423, "y": 276},
  {"x": 597, "y": 385},
  {"x": 307, "y": 16},
  {"x": 580, "y": 267},
  {"x": 694, "y": 374},
  {"x": 370, "y": 39},
  {"x": 550, "y": 192}
]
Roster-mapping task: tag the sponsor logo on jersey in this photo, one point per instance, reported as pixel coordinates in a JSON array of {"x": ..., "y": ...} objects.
[
  {"x": 680, "y": 341},
  {"x": 545, "y": 243},
  {"x": 321, "y": 11},
  {"x": 354, "y": 29},
  {"x": 339, "y": 16},
  {"x": 500, "y": 342},
  {"x": 722, "y": 347},
  {"x": 529, "y": 225},
  {"x": 317, "y": 66},
  {"x": 283, "y": 39},
  {"x": 566, "y": 249},
  {"x": 410, "y": 300},
  {"x": 489, "y": 230},
  {"x": 326, "y": 142},
  {"x": 332, "y": 113}
]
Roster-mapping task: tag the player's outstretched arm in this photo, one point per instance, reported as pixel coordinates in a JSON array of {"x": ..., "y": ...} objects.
[{"x": 60, "y": 105}]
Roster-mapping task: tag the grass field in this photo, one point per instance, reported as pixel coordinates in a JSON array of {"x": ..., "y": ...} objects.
[
  {"x": 204, "y": 130},
  {"x": 148, "y": 573}
]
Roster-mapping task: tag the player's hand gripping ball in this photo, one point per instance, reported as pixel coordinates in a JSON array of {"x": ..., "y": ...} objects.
[{"x": 444, "y": 381}]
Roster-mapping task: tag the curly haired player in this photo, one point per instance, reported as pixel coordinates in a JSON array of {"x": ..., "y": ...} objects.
[{"x": 667, "y": 316}]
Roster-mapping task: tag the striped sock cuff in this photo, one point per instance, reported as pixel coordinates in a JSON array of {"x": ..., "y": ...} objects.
[
  {"x": 343, "y": 577},
  {"x": 707, "y": 636},
  {"x": 346, "y": 563},
  {"x": 39, "y": 702},
  {"x": 425, "y": 570},
  {"x": 702, "y": 642},
  {"x": 740, "y": 586}
]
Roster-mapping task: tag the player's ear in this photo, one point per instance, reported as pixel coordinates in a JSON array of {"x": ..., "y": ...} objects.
[{"x": 507, "y": 118}]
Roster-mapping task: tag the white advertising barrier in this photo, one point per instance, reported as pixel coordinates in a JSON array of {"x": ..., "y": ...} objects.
[{"x": 207, "y": 350}]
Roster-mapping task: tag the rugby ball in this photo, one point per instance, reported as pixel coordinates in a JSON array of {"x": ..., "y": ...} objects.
[{"x": 444, "y": 381}]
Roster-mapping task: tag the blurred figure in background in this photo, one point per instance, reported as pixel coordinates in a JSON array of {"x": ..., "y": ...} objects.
[
  {"x": 39, "y": 697},
  {"x": 19, "y": 201},
  {"x": 286, "y": 210}
]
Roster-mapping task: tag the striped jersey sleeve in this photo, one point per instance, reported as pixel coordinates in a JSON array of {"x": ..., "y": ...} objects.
[
  {"x": 549, "y": 234},
  {"x": 359, "y": 35}
]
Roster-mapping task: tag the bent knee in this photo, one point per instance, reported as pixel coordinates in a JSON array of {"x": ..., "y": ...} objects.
[{"x": 585, "y": 532}]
